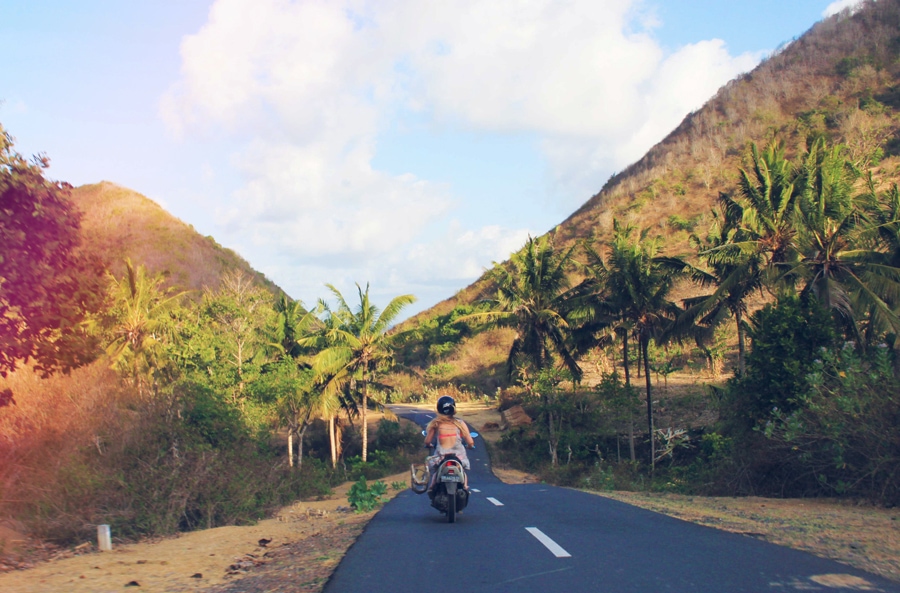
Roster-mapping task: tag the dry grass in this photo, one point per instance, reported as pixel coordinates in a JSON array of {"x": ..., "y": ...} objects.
[
  {"x": 314, "y": 534},
  {"x": 864, "y": 537},
  {"x": 120, "y": 223}
]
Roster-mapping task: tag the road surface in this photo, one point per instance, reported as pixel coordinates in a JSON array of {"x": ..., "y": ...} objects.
[{"x": 534, "y": 538}]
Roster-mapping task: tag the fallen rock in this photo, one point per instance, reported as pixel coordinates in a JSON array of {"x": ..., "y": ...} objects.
[{"x": 515, "y": 416}]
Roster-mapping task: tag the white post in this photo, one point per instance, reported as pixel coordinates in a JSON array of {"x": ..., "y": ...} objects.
[{"x": 104, "y": 539}]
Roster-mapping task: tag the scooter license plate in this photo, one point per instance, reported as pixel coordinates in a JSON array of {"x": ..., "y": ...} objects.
[{"x": 451, "y": 478}]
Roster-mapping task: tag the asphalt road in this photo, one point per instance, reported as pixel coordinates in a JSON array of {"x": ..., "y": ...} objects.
[{"x": 534, "y": 538}]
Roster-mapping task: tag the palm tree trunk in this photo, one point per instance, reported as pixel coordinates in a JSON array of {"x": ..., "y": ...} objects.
[
  {"x": 553, "y": 441},
  {"x": 365, "y": 424},
  {"x": 332, "y": 442},
  {"x": 628, "y": 387},
  {"x": 644, "y": 355},
  {"x": 291, "y": 447},
  {"x": 300, "y": 444},
  {"x": 740, "y": 332}
]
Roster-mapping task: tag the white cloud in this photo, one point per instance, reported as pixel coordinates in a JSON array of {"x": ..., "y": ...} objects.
[
  {"x": 839, "y": 5},
  {"x": 307, "y": 86},
  {"x": 460, "y": 254}
]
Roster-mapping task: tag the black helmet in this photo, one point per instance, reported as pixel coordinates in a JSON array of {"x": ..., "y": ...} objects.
[{"x": 446, "y": 405}]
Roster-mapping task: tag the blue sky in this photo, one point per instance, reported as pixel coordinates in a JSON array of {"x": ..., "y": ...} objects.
[{"x": 403, "y": 143}]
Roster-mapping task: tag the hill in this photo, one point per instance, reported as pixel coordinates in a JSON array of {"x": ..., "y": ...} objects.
[
  {"x": 120, "y": 223},
  {"x": 840, "y": 80}
]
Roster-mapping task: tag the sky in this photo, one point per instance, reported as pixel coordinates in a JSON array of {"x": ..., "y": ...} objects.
[{"x": 405, "y": 144}]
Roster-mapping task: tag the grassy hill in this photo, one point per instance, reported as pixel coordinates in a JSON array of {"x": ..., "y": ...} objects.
[
  {"x": 840, "y": 80},
  {"x": 120, "y": 223}
]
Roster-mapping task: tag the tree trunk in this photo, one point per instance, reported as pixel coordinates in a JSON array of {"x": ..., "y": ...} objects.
[
  {"x": 365, "y": 424},
  {"x": 291, "y": 447},
  {"x": 628, "y": 387},
  {"x": 300, "y": 444},
  {"x": 644, "y": 348},
  {"x": 740, "y": 332},
  {"x": 332, "y": 442},
  {"x": 552, "y": 441}
]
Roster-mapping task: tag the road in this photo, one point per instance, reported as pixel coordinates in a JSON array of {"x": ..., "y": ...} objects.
[{"x": 534, "y": 538}]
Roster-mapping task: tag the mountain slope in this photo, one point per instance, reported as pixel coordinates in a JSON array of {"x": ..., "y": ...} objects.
[
  {"x": 840, "y": 80},
  {"x": 119, "y": 223}
]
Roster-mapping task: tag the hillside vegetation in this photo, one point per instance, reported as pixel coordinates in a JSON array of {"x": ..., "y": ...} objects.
[
  {"x": 122, "y": 224},
  {"x": 772, "y": 204},
  {"x": 721, "y": 318},
  {"x": 838, "y": 81}
]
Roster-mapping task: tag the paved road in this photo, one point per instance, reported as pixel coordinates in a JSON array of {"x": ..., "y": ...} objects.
[{"x": 535, "y": 539}]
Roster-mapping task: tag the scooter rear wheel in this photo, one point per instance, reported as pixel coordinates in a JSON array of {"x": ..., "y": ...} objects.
[{"x": 451, "y": 508}]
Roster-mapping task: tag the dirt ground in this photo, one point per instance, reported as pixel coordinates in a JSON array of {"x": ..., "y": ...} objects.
[
  {"x": 199, "y": 560},
  {"x": 308, "y": 539}
]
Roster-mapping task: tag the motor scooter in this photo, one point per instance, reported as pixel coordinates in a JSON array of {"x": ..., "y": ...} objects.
[{"x": 449, "y": 486}]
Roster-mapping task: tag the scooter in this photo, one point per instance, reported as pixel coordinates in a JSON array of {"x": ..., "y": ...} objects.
[{"x": 450, "y": 490}]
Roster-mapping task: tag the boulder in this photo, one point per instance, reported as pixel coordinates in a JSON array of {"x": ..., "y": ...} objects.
[{"x": 515, "y": 416}]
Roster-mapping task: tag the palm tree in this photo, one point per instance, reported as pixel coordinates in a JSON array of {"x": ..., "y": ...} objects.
[
  {"x": 534, "y": 297},
  {"x": 358, "y": 346},
  {"x": 736, "y": 274},
  {"x": 638, "y": 282},
  {"x": 839, "y": 258},
  {"x": 138, "y": 324},
  {"x": 765, "y": 205}
]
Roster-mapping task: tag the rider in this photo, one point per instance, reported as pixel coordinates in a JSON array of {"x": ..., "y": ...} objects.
[{"x": 450, "y": 432}]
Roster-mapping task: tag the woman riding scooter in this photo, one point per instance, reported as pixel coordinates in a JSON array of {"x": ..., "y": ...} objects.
[{"x": 450, "y": 433}]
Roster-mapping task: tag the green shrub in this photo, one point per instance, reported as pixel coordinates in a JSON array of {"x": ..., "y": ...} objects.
[
  {"x": 843, "y": 436},
  {"x": 364, "y": 498},
  {"x": 786, "y": 339}
]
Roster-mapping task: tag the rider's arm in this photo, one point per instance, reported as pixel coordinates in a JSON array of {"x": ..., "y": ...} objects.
[
  {"x": 465, "y": 435},
  {"x": 429, "y": 437}
]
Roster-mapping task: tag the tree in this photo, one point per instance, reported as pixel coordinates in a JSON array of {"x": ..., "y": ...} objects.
[
  {"x": 636, "y": 284},
  {"x": 47, "y": 286},
  {"x": 138, "y": 325},
  {"x": 735, "y": 273},
  {"x": 358, "y": 346},
  {"x": 839, "y": 259},
  {"x": 765, "y": 204},
  {"x": 234, "y": 320},
  {"x": 534, "y": 297}
]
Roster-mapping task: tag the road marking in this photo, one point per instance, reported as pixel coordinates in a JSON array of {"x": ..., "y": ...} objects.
[
  {"x": 475, "y": 490},
  {"x": 496, "y": 502},
  {"x": 427, "y": 416},
  {"x": 551, "y": 545},
  {"x": 537, "y": 574}
]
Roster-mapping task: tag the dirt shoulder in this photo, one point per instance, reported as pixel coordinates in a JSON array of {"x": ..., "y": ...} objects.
[
  {"x": 861, "y": 536},
  {"x": 308, "y": 540},
  {"x": 313, "y": 535}
]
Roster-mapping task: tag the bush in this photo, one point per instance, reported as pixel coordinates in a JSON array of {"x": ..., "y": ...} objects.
[
  {"x": 843, "y": 438},
  {"x": 392, "y": 435},
  {"x": 364, "y": 498},
  {"x": 787, "y": 338}
]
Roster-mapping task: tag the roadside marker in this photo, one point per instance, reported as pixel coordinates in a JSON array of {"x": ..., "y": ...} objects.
[
  {"x": 551, "y": 545},
  {"x": 496, "y": 502}
]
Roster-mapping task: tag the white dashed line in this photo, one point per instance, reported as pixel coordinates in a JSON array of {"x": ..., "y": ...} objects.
[
  {"x": 551, "y": 545},
  {"x": 474, "y": 490},
  {"x": 495, "y": 502}
]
